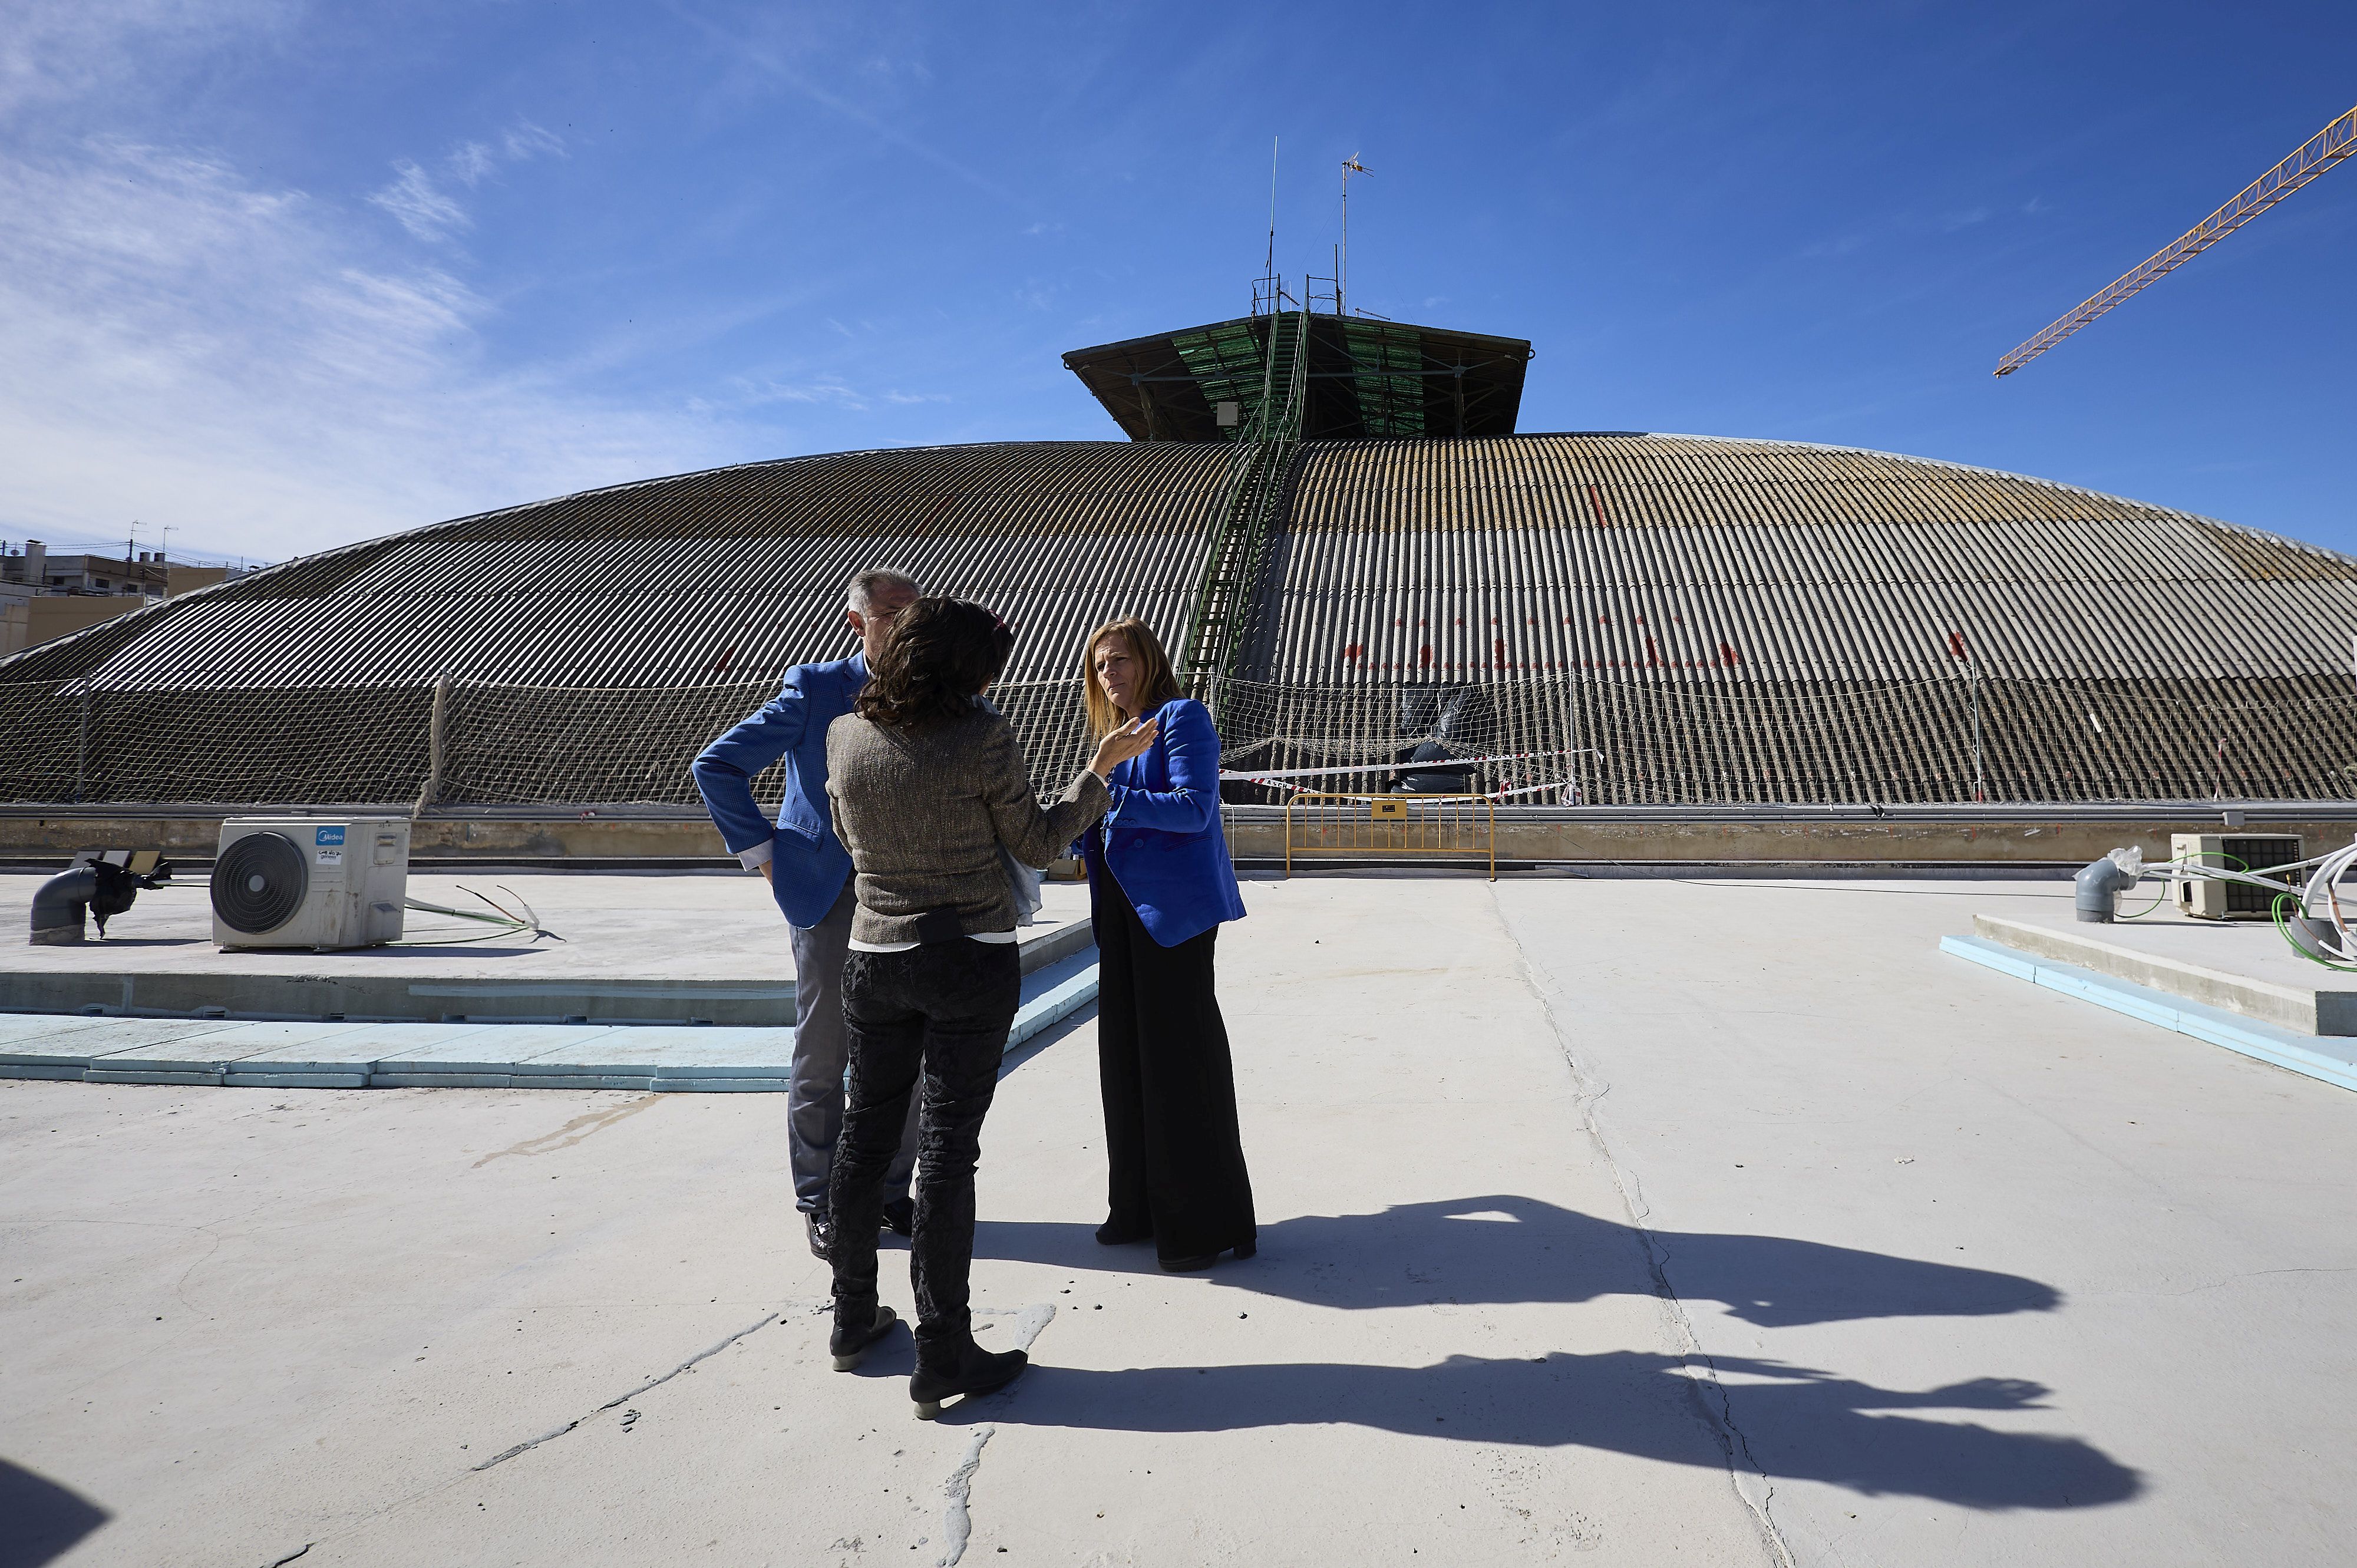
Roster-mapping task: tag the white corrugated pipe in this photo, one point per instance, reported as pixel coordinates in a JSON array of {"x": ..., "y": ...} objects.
[{"x": 2098, "y": 886}]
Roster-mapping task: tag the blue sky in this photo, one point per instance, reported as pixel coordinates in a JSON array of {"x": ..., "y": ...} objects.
[{"x": 281, "y": 276}]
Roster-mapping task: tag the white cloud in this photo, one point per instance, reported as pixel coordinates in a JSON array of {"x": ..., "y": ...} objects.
[
  {"x": 834, "y": 392},
  {"x": 431, "y": 213},
  {"x": 420, "y": 206},
  {"x": 182, "y": 344},
  {"x": 472, "y": 163},
  {"x": 57, "y": 52},
  {"x": 524, "y": 141}
]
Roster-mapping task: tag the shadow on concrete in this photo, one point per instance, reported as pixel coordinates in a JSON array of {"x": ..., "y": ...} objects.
[
  {"x": 1017, "y": 1055},
  {"x": 1798, "y": 1424},
  {"x": 40, "y": 1520},
  {"x": 1507, "y": 1249}
]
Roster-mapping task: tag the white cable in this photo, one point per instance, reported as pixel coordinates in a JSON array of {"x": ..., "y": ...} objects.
[
  {"x": 2329, "y": 871},
  {"x": 1437, "y": 765}
]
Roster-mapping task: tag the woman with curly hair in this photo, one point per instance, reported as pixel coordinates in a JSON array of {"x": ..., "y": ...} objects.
[{"x": 928, "y": 786}]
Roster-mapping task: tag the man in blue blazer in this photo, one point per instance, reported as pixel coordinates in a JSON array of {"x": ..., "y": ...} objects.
[{"x": 809, "y": 874}]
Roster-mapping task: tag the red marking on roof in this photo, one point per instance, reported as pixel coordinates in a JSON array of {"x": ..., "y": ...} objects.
[
  {"x": 1727, "y": 654},
  {"x": 1956, "y": 646},
  {"x": 1597, "y": 502}
]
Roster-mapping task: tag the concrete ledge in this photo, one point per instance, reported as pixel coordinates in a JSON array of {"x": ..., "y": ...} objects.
[
  {"x": 1799, "y": 837},
  {"x": 2305, "y": 1009},
  {"x": 342, "y": 988},
  {"x": 270, "y": 1055},
  {"x": 2307, "y": 1054}
]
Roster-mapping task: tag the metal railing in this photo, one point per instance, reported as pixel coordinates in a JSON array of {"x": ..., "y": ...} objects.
[{"x": 1365, "y": 827}]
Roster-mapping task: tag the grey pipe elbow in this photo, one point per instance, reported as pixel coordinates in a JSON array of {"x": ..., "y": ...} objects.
[
  {"x": 2097, "y": 888},
  {"x": 61, "y": 907}
]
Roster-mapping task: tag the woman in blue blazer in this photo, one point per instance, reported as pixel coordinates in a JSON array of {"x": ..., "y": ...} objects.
[{"x": 1160, "y": 883}]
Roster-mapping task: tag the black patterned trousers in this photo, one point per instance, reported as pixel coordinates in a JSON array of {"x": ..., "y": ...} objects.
[{"x": 931, "y": 1022}]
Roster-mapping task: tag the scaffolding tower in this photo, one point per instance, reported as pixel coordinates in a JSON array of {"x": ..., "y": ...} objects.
[{"x": 1262, "y": 462}]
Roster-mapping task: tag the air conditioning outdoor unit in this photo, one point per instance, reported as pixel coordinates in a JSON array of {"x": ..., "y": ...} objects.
[
  {"x": 2208, "y": 900},
  {"x": 310, "y": 882}
]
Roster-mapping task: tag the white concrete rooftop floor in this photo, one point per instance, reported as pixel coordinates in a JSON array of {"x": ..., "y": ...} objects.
[{"x": 1607, "y": 1221}]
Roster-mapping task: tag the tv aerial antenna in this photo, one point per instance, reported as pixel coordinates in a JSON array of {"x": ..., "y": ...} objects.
[{"x": 1351, "y": 165}]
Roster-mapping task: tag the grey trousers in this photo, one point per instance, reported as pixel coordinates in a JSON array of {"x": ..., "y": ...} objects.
[{"x": 822, "y": 1050}]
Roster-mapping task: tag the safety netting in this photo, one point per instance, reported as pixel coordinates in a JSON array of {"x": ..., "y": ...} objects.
[
  {"x": 1572, "y": 741},
  {"x": 1537, "y": 741}
]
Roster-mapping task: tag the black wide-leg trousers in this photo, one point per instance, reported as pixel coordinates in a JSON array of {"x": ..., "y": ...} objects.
[
  {"x": 931, "y": 1022},
  {"x": 1175, "y": 1156}
]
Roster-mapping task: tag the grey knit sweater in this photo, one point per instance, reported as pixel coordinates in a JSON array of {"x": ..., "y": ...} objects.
[{"x": 923, "y": 813}]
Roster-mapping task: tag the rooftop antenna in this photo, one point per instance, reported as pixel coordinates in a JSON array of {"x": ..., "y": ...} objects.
[
  {"x": 1269, "y": 290},
  {"x": 1270, "y": 270},
  {"x": 1351, "y": 165}
]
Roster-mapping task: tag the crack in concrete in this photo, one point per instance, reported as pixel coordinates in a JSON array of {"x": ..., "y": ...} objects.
[
  {"x": 957, "y": 1521},
  {"x": 292, "y": 1555},
  {"x": 397, "y": 1504},
  {"x": 1702, "y": 1372},
  {"x": 957, "y": 1526},
  {"x": 619, "y": 1399},
  {"x": 573, "y": 1132},
  {"x": 2213, "y": 1284}
]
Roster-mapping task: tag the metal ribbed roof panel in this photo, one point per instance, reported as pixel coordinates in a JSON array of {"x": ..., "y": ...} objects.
[
  {"x": 714, "y": 577},
  {"x": 1659, "y": 557}
]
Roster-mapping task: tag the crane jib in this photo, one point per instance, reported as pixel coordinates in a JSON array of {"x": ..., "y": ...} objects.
[{"x": 2311, "y": 158}]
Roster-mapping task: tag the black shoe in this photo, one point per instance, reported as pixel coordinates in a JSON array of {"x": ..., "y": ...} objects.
[
  {"x": 821, "y": 1227},
  {"x": 900, "y": 1216},
  {"x": 1112, "y": 1235},
  {"x": 978, "y": 1371},
  {"x": 850, "y": 1348},
  {"x": 1202, "y": 1261}
]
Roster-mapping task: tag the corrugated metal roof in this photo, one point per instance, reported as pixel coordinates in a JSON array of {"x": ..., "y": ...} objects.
[
  {"x": 1667, "y": 618},
  {"x": 711, "y": 578},
  {"x": 1662, "y": 557}
]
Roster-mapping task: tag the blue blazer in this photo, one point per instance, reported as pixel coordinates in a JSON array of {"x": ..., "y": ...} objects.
[
  {"x": 809, "y": 864},
  {"x": 1162, "y": 837}
]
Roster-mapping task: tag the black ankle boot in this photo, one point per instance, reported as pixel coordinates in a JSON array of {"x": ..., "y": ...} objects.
[
  {"x": 1112, "y": 1235},
  {"x": 849, "y": 1346},
  {"x": 1202, "y": 1260},
  {"x": 977, "y": 1371}
]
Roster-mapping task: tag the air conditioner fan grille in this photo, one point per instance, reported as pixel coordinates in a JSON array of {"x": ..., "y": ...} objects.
[{"x": 259, "y": 882}]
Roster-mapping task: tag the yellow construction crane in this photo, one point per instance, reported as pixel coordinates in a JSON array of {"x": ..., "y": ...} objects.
[{"x": 2316, "y": 154}]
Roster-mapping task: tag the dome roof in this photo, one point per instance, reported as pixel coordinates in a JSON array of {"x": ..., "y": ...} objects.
[
  {"x": 1656, "y": 557},
  {"x": 1594, "y": 562}
]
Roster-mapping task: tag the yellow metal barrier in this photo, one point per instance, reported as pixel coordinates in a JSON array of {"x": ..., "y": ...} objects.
[{"x": 1372, "y": 826}]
